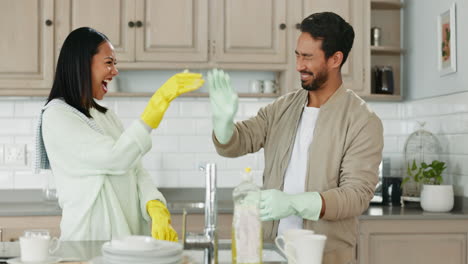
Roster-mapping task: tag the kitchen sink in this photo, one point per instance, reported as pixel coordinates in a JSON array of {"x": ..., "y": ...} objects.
[{"x": 270, "y": 254}]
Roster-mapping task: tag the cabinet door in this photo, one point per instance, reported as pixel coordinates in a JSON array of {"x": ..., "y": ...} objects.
[
  {"x": 110, "y": 17},
  {"x": 26, "y": 44},
  {"x": 172, "y": 31},
  {"x": 250, "y": 31},
  {"x": 353, "y": 12},
  {"x": 408, "y": 241}
]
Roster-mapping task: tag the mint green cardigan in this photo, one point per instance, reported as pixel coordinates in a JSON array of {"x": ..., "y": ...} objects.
[{"x": 102, "y": 187}]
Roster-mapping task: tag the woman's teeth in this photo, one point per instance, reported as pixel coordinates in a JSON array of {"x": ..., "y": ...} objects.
[{"x": 104, "y": 85}]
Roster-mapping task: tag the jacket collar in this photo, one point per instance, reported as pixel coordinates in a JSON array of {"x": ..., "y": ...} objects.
[{"x": 331, "y": 102}]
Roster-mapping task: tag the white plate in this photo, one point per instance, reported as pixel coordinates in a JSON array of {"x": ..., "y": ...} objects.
[
  {"x": 50, "y": 260},
  {"x": 100, "y": 260},
  {"x": 161, "y": 248}
]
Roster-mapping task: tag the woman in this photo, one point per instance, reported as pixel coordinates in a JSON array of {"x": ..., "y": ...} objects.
[{"x": 103, "y": 190}]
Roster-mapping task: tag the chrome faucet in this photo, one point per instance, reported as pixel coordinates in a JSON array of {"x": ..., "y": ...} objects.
[{"x": 208, "y": 240}]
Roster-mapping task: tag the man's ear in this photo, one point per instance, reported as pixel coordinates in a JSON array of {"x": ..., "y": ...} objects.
[{"x": 335, "y": 60}]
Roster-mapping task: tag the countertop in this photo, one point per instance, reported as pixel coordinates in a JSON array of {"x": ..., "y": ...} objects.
[
  {"x": 86, "y": 251},
  {"x": 32, "y": 203}
]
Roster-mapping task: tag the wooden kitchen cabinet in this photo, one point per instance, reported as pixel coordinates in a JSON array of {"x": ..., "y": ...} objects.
[
  {"x": 26, "y": 46},
  {"x": 202, "y": 34},
  {"x": 148, "y": 32},
  {"x": 143, "y": 30},
  {"x": 353, "y": 11},
  {"x": 249, "y": 31},
  {"x": 12, "y": 227},
  {"x": 412, "y": 241}
]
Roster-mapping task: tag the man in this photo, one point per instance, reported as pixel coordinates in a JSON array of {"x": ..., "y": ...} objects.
[{"x": 322, "y": 144}]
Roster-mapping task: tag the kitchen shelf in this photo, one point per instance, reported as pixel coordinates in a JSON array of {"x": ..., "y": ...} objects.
[
  {"x": 387, "y": 50},
  {"x": 386, "y": 5}
]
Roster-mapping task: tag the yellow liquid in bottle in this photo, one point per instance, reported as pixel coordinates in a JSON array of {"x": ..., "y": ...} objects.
[{"x": 234, "y": 248}]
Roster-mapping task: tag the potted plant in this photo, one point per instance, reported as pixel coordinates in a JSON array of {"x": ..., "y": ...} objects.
[{"x": 435, "y": 197}]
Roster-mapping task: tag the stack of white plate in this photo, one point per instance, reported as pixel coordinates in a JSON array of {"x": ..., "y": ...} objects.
[{"x": 142, "y": 250}]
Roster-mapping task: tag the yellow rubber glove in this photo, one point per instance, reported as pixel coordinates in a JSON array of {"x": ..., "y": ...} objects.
[
  {"x": 176, "y": 85},
  {"x": 161, "y": 221}
]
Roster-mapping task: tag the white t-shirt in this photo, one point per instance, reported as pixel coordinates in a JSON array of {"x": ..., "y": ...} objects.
[{"x": 294, "y": 179}]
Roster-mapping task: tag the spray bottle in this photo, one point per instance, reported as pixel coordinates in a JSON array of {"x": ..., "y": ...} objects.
[{"x": 247, "y": 240}]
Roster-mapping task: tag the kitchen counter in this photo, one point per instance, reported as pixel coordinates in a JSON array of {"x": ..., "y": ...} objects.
[
  {"x": 85, "y": 251},
  {"x": 31, "y": 203}
]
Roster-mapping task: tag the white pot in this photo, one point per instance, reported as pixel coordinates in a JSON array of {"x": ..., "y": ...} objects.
[{"x": 437, "y": 198}]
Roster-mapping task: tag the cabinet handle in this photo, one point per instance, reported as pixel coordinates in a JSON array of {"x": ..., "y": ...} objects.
[
  {"x": 282, "y": 26},
  {"x": 298, "y": 25},
  {"x": 139, "y": 23},
  {"x": 131, "y": 24},
  {"x": 48, "y": 22}
]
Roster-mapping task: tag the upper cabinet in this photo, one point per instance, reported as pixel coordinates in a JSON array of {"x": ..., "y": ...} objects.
[
  {"x": 353, "y": 71},
  {"x": 196, "y": 34},
  {"x": 26, "y": 45},
  {"x": 143, "y": 30},
  {"x": 249, "y": 31}
]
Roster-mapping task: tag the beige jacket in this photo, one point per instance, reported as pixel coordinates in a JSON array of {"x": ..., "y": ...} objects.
[{"x": 344, "y": 157}]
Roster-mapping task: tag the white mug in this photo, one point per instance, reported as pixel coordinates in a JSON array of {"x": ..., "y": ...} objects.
[
  {"x": 307, "y": 249},
  {"x": 256, "y": 86},
  {"x": 289, "y": 236},
  {"x": 36, "y": 245},
  {"x": 269, "y": 86}
]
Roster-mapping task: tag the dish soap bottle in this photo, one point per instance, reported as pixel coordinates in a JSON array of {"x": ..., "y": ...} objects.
[{"x": 247, "y": 240}]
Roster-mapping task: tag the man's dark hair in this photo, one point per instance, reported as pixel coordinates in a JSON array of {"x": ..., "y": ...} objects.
[
  {"x": 336, "y": 34},
  {"x": 72, "y": 80}
]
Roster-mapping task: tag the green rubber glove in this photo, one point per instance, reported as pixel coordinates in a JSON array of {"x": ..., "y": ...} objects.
[
  {"x": 275, "y": 205},
  {"x": 161, "y": 221},
  {"x": 224, "y": 104},
  {"x": 176, "y": 85}
]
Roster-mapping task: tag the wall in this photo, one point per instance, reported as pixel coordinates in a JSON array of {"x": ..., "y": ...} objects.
[
  {"x": 182, "y": 141},
  {"x": 422, "y": 78}
]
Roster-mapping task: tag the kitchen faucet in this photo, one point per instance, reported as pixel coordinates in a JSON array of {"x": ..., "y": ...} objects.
[{"x": 208, "y": 240}]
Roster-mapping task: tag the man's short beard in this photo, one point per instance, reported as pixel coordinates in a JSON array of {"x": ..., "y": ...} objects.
[{"x": 322, "y": 77}]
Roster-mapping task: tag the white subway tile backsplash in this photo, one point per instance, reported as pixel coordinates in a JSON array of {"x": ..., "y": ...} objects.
[
  {"x": 153, "y": 161},
  {"x": 394, "y": 127},
  {"x": 204, "y": 126},
  {"x": 7, "y": 180},
  {"x": 182, "y": 126},
  {"x": 6, "y": 139},
  {"x": 249, "y": 160},
  {"x": 163, "y": 143},
  {"x": 200, "y": 108},
  {"x": 196, "y": 144},
  {"x": 387, "y": 110},
  {"x": 194, "y": 179},
  {"x": 203, "y": 158},
  {"x": 165, "y": 179},
  {"x": 12, "y": 126},
  {"x": 28, "y": 109},
  {"x": 179, "y": 161},
  {"x": 130, "y": 109},
  {"x": 183, "y": 139},
  {"x": 251, "y": 108},
  {"x": 391, "y": 144},
  {"x": 29, "y": 180},
  {"x": 6, "y": 109}
]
